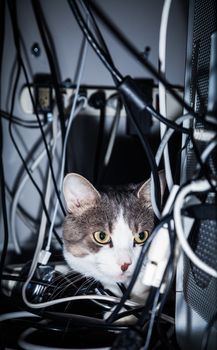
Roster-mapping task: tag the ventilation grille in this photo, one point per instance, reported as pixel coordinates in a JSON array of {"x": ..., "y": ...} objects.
[{"x": 200, "y": 289}]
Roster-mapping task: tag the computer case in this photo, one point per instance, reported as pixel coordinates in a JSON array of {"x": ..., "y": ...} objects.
[{"x": 196, "y": 291}]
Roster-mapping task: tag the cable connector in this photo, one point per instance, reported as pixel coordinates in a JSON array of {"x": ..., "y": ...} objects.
[
  {"x": 44, "y": 257},
  {"x": 160, "y": 249},
  {"x": 158, "y": 255}
]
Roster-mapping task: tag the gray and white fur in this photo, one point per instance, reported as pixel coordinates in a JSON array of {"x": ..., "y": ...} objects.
[{"x": 122, "y": 214}]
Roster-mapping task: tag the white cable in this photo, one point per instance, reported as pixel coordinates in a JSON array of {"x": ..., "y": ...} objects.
[
  {"x": 43, "y": 256},
  {"x": 196, "y": 186},
  {"x": 162, "y": 89},
  {"x": 17, "y": 314},
  {"x": 112, "y": 136},
  {"x": 76, "y": 298},
  {"x": 113, "y": 133},
  {"x": 71, "y": 118},
  {"x": 158, "y": 157},
  {"x": 209, "y": 149}
]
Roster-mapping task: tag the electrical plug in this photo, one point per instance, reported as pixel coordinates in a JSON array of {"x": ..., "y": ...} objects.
[{"x": 158, "y": 256}]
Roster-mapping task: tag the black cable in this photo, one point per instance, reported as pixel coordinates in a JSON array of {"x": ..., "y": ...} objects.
[
  {"x": 152, "y": 319},
  {"x": 156, "y": 312},
  {"x": 31, "y": 124},
  {"x": 80, "y": 320},
  {"x": 98, "y": 32},
  {"x": 151, "y": 160},
  {"x": 89, "y": 36},
  {"x": 134, "y": 52},
  {"x": 8, "y": 277},
  {"x": 166, "y": 121},
  {"x": 39, "y": 16},
  {"x": 13, "y": 14},
  {"x": 134, "y": 311},
  {"x": 98, "y": 101},
  {"x": 145, "y": 314}
]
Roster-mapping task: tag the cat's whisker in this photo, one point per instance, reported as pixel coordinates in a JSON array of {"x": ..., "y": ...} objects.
[
  {"x": 58, "y": 282},
  {"x": 71, "y": 283},
  {"x": 90, "y": 285},
  {"x": 60, "y": 276},
  {"x": 59, "y": 287},
  {"x": 88, "y": 280},
  {"x": 66, "y": 286},
  {"x": 64, "y": 277}
]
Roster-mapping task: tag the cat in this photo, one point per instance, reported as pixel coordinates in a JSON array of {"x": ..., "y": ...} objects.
[{"x": 104, "y": 231}]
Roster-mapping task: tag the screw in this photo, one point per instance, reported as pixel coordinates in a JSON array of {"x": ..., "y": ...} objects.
[{"x": 35, "y": 49}]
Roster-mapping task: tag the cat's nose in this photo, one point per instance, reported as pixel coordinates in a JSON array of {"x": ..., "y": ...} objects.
[{"x": 125, "y": 266}]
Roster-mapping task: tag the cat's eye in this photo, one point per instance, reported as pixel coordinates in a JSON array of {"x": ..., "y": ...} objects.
[
  {"x": 140, "y": 238},
  {"x": 102, "y": 237}
]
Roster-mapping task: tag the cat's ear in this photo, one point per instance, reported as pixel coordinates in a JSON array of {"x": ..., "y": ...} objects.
[
  {"x": 78, "y": 192},
  {"x": 144, "y": 192}
]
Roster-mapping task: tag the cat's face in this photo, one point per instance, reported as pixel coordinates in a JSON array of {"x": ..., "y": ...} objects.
[{"x": 104, "y": 232}]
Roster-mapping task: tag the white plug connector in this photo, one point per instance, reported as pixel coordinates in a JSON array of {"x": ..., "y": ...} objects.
[
  {"x": 160, "y": 250},
  {"x": 44, "y": 257},
  {"x": 158, "y": 256}
]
